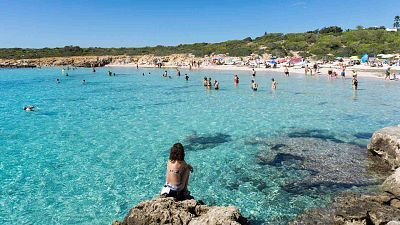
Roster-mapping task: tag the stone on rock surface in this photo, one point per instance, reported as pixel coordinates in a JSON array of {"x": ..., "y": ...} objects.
[
  {"x": 188, "y": 212},
  {"x": 392, "y": 184},
  {"x": 393, "y": 223},
  {"x": 386, "y": 144},
  {"x": 352, "y": 209}
]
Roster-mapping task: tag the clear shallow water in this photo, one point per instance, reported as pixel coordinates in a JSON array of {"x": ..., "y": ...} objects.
[{"x": 91, "y": 152}]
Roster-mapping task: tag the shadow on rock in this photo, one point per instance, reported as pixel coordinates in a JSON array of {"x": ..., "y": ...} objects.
[{"x": 315, "y": 133}]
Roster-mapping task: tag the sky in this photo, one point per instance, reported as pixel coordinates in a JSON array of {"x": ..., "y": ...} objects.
[{"x": 136, "y": 23}]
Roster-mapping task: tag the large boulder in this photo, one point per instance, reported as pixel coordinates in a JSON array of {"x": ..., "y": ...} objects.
[
  {"x": 386, "y": 144},
  {"x": 355, "y": 209},
  {"x": 188, "y": 212},
  {"x": 392, "y": 184}
]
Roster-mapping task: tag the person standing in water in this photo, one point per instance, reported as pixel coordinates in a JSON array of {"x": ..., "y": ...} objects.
[
  {"x": 343, "y": 73},
  {"x": 254, "y": 85},
  {"x": 254, "y": 73},
  {"x": 355, "y": 83},
  {"x": 58, "y": 81},
  {"x": 235, "y": 80},
  {"x": 205, "y": 82},
  {"x": 306, "y": 69},
  {"x": 286, "y": 71},
  {"x": 178, "y": 73},
  {"x": 387, "y": 73},
  {"x": 354, "y": 74},
  {"x": 274, "y": 84},
  {"x": 216, "y": 85},
  {"x": 186, "y": 77},
  {"x": 209, "y": 84}
]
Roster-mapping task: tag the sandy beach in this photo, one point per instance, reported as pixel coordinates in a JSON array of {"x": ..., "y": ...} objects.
[{"x": 362, "y": 70}]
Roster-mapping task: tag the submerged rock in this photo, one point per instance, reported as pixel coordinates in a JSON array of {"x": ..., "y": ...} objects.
[
  {"x": 327, "y": 165},
  {"x": 371, "y": 209},
  {"x": 188, "y": 212},
  {"x": 385, "y": 143},
  {"x": 196, "y": 142}
]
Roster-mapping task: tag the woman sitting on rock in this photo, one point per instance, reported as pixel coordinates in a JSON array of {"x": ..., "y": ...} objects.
[{"x": 177, "y": 178}]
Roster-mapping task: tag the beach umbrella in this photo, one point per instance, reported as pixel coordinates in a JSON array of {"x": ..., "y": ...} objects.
[
  {"x": 364, "y": 58},
  {"x": 387, "y": 56},
  {"x": 354, "y": 57}
]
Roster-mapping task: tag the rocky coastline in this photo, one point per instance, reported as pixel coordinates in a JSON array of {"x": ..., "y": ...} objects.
[
  {"x": 100, "y": 61},
  {"x": 188, "y": 212},
  {"x": 382, "y": 207}
]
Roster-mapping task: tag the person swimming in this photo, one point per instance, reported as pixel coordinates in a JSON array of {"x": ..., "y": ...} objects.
[
  {"x": 58, "y": 81},
  {"x": 94, "y": 70},
  {"x": 83, "y": 81},
  {"x": 29, "y": 108},
  {"x": 254, "y": 85},
  {"x": 142, "y": 74},
  {"x": 274, "y": 84}
]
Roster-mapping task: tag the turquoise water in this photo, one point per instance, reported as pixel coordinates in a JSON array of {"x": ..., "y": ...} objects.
[{"x": 90, "y": 152}]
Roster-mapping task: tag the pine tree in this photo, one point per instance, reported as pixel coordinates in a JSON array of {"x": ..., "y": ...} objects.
[{"x": 396, "y": 23}]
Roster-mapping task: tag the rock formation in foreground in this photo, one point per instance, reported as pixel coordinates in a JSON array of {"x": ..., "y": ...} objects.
[
  {"x": 385, "y": 143},
  {"x": 368, "y": 209},
  {"x": 188, "y": 212}
]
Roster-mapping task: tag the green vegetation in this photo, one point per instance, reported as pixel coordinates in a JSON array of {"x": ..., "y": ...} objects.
[{"x": 318, "y": 43}]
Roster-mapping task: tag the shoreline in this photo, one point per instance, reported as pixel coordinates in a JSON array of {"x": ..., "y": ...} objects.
[{"x": 362, "y": 71}]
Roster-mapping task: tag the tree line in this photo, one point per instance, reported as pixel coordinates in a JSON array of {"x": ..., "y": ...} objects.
[{"x": 318, "y": 43}]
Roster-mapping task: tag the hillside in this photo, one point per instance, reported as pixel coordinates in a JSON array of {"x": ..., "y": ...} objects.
[{"x": 318, "y": 44}]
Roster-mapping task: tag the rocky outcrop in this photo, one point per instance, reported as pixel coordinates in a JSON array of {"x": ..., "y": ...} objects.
[
  {"x": 372, "y": 209},
  {"x": 375, "y": 209},
  {"x": 188, "y": 212},
  {"x": 385, "y": 143},
  {"x": 392, "y": 184},
  {"x": 98, "y": 61}
]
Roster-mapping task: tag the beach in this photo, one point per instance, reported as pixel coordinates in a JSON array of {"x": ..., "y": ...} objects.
[{"x": 362, "y": 71}]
